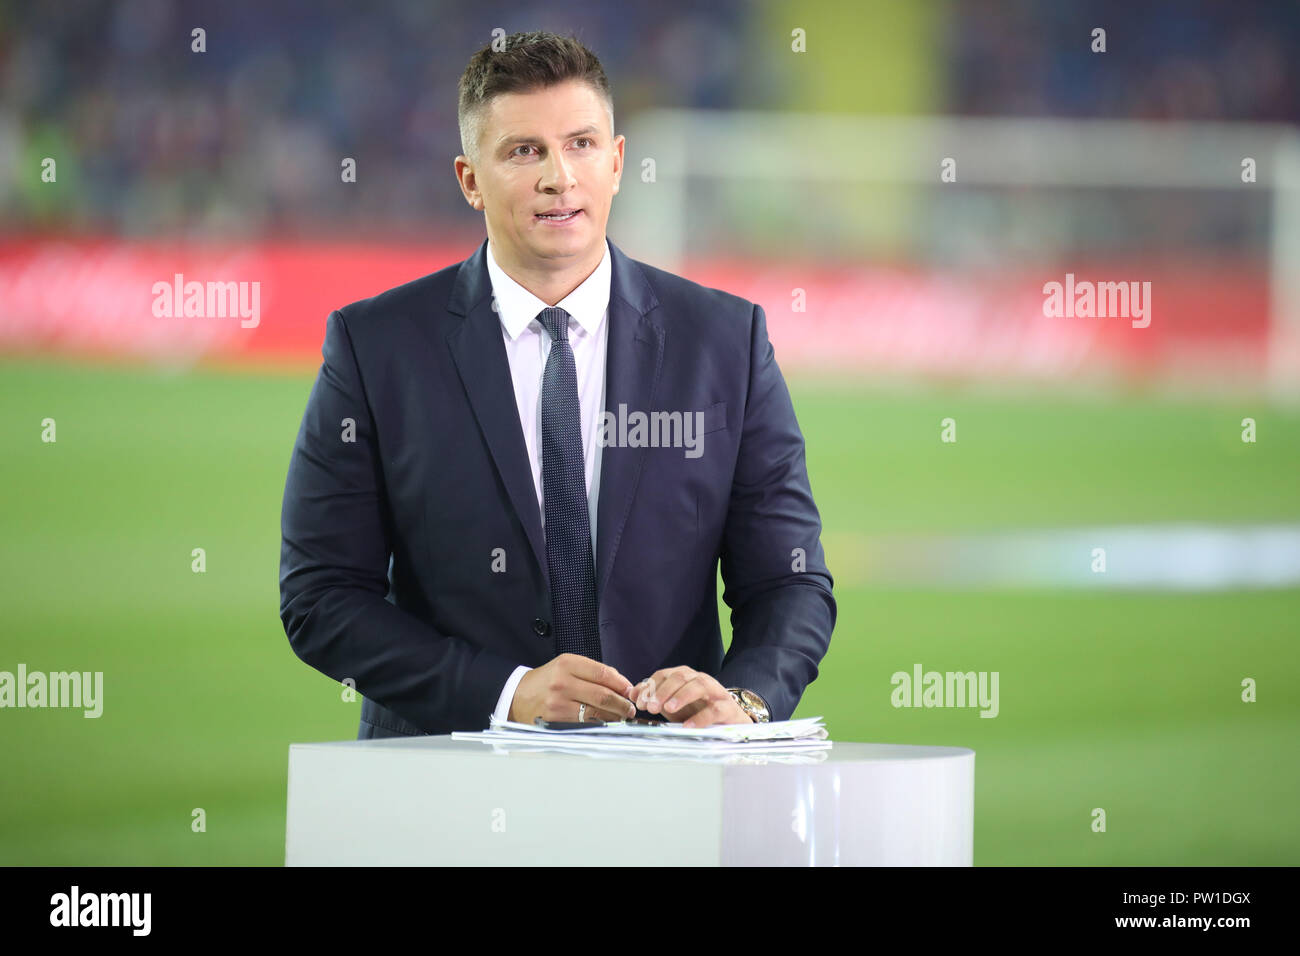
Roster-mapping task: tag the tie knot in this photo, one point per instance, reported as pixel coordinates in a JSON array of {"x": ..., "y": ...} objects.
[{"x": 556, "y": 321}]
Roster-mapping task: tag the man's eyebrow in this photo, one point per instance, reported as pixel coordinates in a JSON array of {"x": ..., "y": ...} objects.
[{"x": 513, "y": 140}]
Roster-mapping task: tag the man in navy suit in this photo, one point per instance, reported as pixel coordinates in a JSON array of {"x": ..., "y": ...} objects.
[{"x": 515, "y": 477}]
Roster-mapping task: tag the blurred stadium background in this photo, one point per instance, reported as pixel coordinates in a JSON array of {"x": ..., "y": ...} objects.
[{"x": 809, "y": 182}]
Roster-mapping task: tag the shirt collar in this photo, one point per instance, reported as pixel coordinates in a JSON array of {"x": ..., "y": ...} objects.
[{"x": 517, "y": 306}]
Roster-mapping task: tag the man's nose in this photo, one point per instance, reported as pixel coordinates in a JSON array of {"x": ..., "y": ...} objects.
[{"x": 556, "y": 174}]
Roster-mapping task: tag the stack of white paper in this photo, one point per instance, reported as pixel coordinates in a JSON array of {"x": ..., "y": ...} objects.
[{"x": 808, "y": 733}]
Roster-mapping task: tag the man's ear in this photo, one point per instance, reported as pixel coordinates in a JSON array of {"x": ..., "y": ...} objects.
[
  {"x": 619, "y": 142},
  {"x": 466, "y": 180}
]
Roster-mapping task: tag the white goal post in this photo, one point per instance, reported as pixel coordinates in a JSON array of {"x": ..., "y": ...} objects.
[{"x": 677, "y": 162}]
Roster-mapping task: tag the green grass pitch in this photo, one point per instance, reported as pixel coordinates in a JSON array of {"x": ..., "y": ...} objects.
[{"x": 1128, "y": 701}]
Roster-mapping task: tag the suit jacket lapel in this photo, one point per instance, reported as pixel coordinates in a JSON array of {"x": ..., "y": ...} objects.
[
  {"x": 480, "y": 355},
  {"x": 634, "y": 358}
]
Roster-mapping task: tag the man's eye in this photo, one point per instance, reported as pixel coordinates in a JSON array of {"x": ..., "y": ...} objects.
[{"x": 585, "y": 139}]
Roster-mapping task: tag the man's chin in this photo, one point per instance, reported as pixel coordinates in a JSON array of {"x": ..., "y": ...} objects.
[{"x": 574, "y": 248}]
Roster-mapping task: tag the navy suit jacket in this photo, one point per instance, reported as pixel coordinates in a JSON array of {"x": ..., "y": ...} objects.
[{"x": 392, "y": 541}]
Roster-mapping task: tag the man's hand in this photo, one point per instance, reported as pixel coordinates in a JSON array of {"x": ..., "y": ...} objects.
[
  {"x": 689, "y": 697},
  {"x": 554, "y": 691}
]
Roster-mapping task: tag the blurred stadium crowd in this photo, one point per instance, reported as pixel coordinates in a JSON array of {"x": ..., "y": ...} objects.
[{"x": 246, "y": 139}]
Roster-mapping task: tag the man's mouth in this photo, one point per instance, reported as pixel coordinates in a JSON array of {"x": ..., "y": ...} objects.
[{"x": 559, "y": 215}]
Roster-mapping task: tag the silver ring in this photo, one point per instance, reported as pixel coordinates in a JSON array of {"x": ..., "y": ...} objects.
[{"x": 582, "y": 713}]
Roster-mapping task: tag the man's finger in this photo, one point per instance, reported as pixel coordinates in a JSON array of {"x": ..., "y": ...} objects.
[
  {"x": 698, "y": 688},
  {"x": 707, "y": 717},
  {"x": 669, "y": 685},
  {"x": 642, "y": 692},
  {"x": 596, "y": 672},
  {"x": 665, "y": 673},
  {"x": 610, "y": 704},
  {"x": 719, "y": 712}
]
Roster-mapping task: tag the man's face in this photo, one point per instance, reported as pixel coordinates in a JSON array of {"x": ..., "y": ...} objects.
[{"x": 551, "y": 149}]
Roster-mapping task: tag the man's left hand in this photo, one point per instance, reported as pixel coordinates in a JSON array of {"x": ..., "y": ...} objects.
[{"x": 688, "y": 697}]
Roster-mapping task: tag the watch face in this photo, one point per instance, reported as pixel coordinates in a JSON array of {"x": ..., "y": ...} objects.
[{"x": 750, "y": 703}]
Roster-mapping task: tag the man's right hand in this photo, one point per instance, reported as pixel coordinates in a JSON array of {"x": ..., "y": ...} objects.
[{"x": 554, "y": 691}]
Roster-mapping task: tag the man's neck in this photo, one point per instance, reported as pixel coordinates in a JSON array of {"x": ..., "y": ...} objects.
[{"x": 550, "y": 285}]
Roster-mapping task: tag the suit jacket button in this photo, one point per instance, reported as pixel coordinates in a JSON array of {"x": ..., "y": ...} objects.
[{"x": 541, "y": 628}]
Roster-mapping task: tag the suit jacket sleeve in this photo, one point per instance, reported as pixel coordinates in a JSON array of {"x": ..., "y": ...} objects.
[
  {"x": 334, "y": 559},
  {"x": 776, "y": 580}
]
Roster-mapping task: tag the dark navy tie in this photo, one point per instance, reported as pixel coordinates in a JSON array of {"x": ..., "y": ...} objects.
[{"x": 564, "y": 498}]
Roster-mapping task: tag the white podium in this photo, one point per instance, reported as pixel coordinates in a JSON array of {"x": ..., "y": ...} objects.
[{"x": 421, "y": 801}]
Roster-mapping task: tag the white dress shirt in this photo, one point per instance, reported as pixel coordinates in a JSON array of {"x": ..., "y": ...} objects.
[{"x": 527, "y": 345}]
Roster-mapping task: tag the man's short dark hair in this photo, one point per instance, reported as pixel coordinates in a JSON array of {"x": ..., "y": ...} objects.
[{"x": 524, "y": 62}]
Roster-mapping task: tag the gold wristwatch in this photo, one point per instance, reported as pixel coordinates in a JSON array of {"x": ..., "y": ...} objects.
[{"x": 751, "y": 704}]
